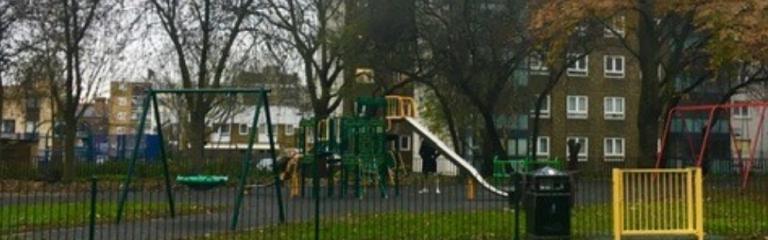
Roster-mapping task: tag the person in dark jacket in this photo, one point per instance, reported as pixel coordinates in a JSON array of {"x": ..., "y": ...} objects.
[{"x": 429, "y": 155}]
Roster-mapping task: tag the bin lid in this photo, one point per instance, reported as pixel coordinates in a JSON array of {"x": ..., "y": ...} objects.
[{"x": 548, "y": 172}]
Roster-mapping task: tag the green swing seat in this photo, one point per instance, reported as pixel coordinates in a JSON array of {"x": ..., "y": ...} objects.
[{"x": 202, "y": 182}]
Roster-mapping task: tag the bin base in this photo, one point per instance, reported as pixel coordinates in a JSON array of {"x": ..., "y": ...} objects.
[{"x": 536, "y": 237}]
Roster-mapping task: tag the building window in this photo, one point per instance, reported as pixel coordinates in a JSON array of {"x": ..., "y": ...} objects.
[
  {"x": 545, "y": 111},
  {"x": 135, "y": 116},
  {"x": 615, "y": 26},
  {"x": 742, "y": 147},
  {"x": 614, "y": 149},
  {"x": 577, "y": 107},
  {"x": 9, "y": 126},
  {"x": 579, "y": 65},
  {"x": 224, "y": 130},
  {"x": 740, "y": 112},
  {"x": 120, "y": 131},
  {"x": 364, "y": 75},
  {"x": 122, "y": 116},
  {"x": 614, "y": 108},
  {"x": 517, "y": 147},
  {"x": 614, "y": 66},
  {"x": 537, "y": 65},
  {"x": 122, "y": 101},
  {"x": 581, "y": 29},
  {"x": 289, "y": 130},
  {"x": 583, "y": 151},
  {"x": 262, "y": 128},
  {"x": 542, "y": 146},
  {"x": 243, "y": 129},
  {"x": 31, "y": 127},
  {"x": 33, "y": 103},
  {"x": 405, "y": 143}
]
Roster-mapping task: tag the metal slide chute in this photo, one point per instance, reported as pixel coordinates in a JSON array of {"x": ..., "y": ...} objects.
[{"x": 453, "y": 157}]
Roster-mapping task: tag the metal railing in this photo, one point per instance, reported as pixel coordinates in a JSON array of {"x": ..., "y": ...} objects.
[
  {"x": 32, "y": 209},
  {"x": 400, "y": 106},
  {"x": 649, "y": 202}
]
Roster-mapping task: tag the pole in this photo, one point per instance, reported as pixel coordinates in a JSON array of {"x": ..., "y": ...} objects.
[
  {"x": 132, "y": 165},
  {"x": 515, "y": 198},
  {"x": 158, "y": 123},
  {"x": 92, "y": 221},
  {"x": 273, "y": 153},
  {"x": 246, "y": 167},
  {"x": 316, "y": 181}
]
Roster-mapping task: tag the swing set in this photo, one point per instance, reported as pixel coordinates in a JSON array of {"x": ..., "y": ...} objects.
[
  {"x": 699, "y": 124},
  {"x": 200, "y": 181}
]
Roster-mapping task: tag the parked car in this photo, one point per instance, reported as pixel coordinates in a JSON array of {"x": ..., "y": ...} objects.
[{"x": 265, "y": 164}]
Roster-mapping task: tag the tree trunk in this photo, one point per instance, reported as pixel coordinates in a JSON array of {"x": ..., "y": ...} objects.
[
  {"x": 535, "y": 125},
  {"x": 455, "y": 139},
  {"x": 650, "y": 107},
  {"x": 320, "y": 112},
  {"x": 2, "y": 103},
  {"x": 70, "y": 157},
  {"x": 491, "y": 144},
  {"x": 197, "y": 134},
  {"x": 648, "y": 137}
]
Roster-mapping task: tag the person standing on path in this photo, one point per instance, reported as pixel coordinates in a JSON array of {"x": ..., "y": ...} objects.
[{"x": 429, "y": 155}]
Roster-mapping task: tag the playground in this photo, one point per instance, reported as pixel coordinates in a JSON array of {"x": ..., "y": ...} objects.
[{"x": 345, "y": 180}]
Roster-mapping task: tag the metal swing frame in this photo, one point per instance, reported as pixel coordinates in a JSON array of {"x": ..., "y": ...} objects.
[
  {"x": 151, "y": 99},
  {"x": 711, "y": 110}
]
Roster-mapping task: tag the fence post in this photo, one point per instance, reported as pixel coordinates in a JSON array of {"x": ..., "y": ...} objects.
[
  {"x": 92, "y": 221},
  {"x": 618, "y": 191},
  {"x": 516, "y": 198},
  {"x": 699, "y": 203},
  {"x": 316, "y": 179}
]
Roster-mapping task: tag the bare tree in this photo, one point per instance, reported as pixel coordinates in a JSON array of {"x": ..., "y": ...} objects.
[
  {"x": 76, "y": 47},
  {"x": 316, "y": 32},
  {"x": 203, "y": 35}
]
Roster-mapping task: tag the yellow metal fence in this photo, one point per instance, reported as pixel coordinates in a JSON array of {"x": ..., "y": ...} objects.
[{"x": 652, "y": 202}]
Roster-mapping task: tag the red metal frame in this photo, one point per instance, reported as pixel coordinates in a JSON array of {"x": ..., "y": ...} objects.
[{"x": 711, "y": 109}]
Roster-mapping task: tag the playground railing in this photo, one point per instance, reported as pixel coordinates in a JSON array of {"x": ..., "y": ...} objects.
[
  {"x": 32, "y": 209},
  {"x": 651, "y": 202},
  {"x": 400, "y": 106}
]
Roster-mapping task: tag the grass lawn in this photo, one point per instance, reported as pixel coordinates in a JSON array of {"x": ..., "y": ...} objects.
[
  {"x": 587, "y": 222},
  {"x": 26, "y": 217},
  {"x": 399, "y": 225},
  {"x": 749, "y": 219}
]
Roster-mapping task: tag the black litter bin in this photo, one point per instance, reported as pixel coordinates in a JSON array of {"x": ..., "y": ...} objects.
[{"x": 548, "y": 204}]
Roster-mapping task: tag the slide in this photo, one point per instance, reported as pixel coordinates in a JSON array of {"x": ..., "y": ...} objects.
[{"x": 453, "y": 157}]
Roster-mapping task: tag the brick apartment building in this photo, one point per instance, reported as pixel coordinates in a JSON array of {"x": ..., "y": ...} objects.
[
  {"x": 125, "y": 106},
  {"x": 595, "y": 103}
]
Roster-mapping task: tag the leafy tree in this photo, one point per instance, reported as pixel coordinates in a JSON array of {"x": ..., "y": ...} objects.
[
  {"x": 475, "y": 47},
  {"x": 668, "y": 38}
]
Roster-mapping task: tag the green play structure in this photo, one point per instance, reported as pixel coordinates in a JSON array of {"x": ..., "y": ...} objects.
[
  {"x": 205, "y": 181},
  {"x": 355, "y": 146}
]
